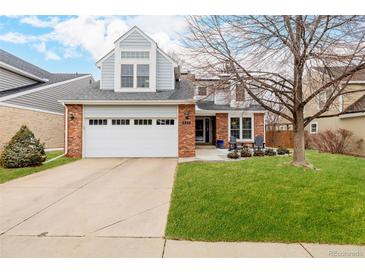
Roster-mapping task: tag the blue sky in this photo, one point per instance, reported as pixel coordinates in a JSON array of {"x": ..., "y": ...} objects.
[{"x": 74, "y": 43}]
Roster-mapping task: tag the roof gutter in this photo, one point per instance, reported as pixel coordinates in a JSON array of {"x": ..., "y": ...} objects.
[
  {"x": 128, "y": 102},
  {"x": 353, "y": 114}
]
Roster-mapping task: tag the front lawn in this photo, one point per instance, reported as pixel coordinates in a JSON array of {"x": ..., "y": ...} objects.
[
  {"x": 7, "y": 174},
  {"x": 267, "y": 199}
]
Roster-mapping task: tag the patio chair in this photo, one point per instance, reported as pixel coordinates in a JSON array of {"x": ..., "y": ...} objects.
[
  {"x": 232, "y": 144},
  {"x": 259, "y": 143}
]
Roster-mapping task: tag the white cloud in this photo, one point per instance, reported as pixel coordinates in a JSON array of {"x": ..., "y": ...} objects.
[
  {"x": 16, "y": 38},
  {"x": 36, "y": 22},
  {"x": 96, "y": 34},
  {"x": 49, "y": 54}
]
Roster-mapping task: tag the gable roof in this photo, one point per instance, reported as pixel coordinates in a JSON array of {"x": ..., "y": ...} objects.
[
  {"x": 21, "y": 66},
  {"x": 45, "y": 78},
  {"x": 357, "y": 106},
  {"x": 337, "y": 71},
  {"x": 125, "y": 35}
]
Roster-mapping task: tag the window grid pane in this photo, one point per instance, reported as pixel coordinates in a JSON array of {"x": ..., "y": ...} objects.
[
  {"x": 235, "y": 127},
  {"x": 246, "y": 128},
  {"x": 127, "y": 76},
  {"x": 135, "y": 55},
  {"x": 143, "y": 76}
]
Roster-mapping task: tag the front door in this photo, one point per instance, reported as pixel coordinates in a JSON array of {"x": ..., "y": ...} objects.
[
  {"x": 199, "y": 131},
  {"x": 202, "y": 130}
]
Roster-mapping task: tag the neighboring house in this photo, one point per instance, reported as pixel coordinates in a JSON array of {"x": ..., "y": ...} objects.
[
  {"x": 29, "y": 96},
  {"x": 143, "y": 107},
  {"x": 347, "y": 112}
]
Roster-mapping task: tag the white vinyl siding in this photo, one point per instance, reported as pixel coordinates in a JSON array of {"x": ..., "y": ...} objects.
[
  {"x": 107, "y": 73},
  {"x": 11, "y": 80},
  {"x": 135, "y": 41},
  {"x": 47, "y": 99},
  {"x": 164, "y": 73}
]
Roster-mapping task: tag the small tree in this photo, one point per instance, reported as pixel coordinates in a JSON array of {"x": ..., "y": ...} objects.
[{"x": 23, "y": 150}]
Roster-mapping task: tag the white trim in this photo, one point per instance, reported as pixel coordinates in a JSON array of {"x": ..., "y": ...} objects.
[
  {"x": 240, "y": 116},
  {"x": 356, "y": 82},
  {"x": 128, "y": 102},
  {"x": 66, "y": 129},
  {"x": 41, "y": 88},
  {"x": 125, "y": 35},
  {"x": 22, "y": 72},
  {"x": 310, "y": 127},
  {"x": 83, "y": 132},
  {"x": 102, "y": 59},
  {"x": 30, "y": 108},
  {"x": 351, "y": 115}
]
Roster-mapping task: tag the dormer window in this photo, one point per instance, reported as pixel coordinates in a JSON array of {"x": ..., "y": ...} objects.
[
  {"x": 143, "y": 76},
  {"x": 127, "y": 77},
  {"x": 135, "y": 54}
]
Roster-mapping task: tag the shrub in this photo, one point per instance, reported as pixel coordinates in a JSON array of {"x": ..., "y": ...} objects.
[
  {"x": 258, "y": 152},
  {"x": 233, "y": 154},
  {"x": 339, "y": 141},
  {"x": 282, "y": 151},
  {"x": 23, "y": 150},
  {"x": 270, "y": 152},
  {"x": 246, "y": 152}
]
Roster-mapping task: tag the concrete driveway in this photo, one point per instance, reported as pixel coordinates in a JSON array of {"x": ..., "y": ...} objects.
[{"x": 89, "y": 208}]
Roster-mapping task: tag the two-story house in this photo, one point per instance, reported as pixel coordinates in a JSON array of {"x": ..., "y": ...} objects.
[{"x": 144, "y": 107}]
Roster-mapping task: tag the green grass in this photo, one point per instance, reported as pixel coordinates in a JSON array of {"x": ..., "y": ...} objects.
[
  {"x": 53, "y": 154},
  {"x": 266, "y": 199},
  {"x": 7, "y": 174}
]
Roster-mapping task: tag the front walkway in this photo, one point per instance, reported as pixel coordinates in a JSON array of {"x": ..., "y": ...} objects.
[{"x": 207, "y": 154}]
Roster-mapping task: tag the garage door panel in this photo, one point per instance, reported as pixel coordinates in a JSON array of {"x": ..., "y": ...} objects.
[
  {"x": 131, "y": 140},
  {"x": 130, "y": 111}
]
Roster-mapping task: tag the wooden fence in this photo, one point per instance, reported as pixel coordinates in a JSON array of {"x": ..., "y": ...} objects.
[{"x": 278, "y": 138}]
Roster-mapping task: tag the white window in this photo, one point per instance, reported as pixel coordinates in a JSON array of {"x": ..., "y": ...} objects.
[
  {"x": 202, "y": 91},
  {"x": 143, "y": 76},
  {"x": 135, "y": 54},
  {"x": 135, "y": 75},
  {"x": 246, "y": 128},
  {"x": 127, "y": 76},
  {"x": 235, "y": 127},
  {"x": 313, "y": 127},
  {"x": 241, "y": 127}
]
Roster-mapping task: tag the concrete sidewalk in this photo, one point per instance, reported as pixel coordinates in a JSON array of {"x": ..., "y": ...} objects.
[{"x": 156, "y": 247}]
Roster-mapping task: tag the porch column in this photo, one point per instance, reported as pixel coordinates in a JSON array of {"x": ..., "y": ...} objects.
[
  {"x": 221, "y": 128},
  {"x": 186, "y": 116}
]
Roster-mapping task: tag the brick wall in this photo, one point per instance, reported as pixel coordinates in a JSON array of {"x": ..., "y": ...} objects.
[
  {"x": 46, "y": 126},
  {"x": 75, "y": 130},
  {"x": 186, "y": 131},
  {"x": 259, "y": 124},
  {"x": 221, "y": 121}
]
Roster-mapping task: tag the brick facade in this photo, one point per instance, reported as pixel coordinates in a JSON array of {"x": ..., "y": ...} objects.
[
  {"x": 74, "y": 130},
  {"x": 221, "y": 125},
  {"x": 47, "y": 127},
  {"x": 186, "y": 130},
  {"x": 259, "y": 124}
]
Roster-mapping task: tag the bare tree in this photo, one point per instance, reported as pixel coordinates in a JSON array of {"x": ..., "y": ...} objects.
[{"x": 283, "y": 62}]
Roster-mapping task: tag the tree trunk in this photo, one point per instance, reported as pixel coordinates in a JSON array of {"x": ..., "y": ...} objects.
[{"x": 299, "y": 145}]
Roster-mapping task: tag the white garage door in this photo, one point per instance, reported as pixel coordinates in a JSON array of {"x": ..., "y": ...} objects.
[{"x": 130, "y": 131}]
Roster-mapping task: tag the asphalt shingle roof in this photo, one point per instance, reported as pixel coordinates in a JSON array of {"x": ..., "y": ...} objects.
[
  {"x": 358, "y": 106},
  {"x": 209, "y": 105},
  {"x": 32, "y": 69},
  {"x": 184, "y": 91}
]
